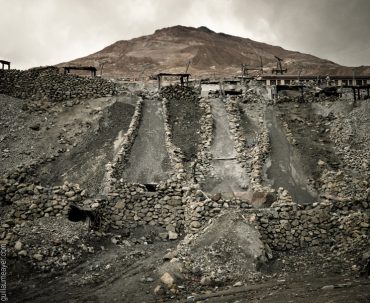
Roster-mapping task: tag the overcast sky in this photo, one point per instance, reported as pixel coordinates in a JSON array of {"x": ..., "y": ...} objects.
[{"x": 44, "y": 32}]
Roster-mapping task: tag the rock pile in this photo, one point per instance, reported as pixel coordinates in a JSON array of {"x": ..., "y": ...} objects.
[
  {"x": 47, "y": 243},
  {"x": 47, "y": 83}
]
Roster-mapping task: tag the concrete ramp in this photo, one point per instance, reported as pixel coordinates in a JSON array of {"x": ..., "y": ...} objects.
[
  {"x": 285, "y": 167},
  {"x": 149, "y": 161},
  {"x": 227, "y": 175}
]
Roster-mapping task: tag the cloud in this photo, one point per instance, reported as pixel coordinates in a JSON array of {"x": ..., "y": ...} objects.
[{"x": 40, "y": 32}]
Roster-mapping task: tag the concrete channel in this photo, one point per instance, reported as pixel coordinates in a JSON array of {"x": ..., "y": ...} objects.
[
  {"x": 284, "y": 168},
  {"x": 149, "y": 161},
  {"x": 227, "y": 175}
]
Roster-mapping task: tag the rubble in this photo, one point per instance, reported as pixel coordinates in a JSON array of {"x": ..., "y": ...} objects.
[{"x": 47, "y": 83}]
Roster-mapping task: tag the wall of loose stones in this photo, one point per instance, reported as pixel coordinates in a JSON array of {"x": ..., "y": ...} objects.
[
  {"x": 203, "y": 161},
  {"x": 120, "y": 159},
  {"x": 287, "y": 226},
  {"x": 131, "y": 205},
  {"x": 174, "y": 152},
  {"x": 252, "y": 158},
  {"x": 48, "y": 83},
  {"x": 30, "y": 202}
]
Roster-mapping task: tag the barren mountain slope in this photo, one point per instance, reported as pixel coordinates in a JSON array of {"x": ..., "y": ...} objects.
[{"x": 169, "y": 49}]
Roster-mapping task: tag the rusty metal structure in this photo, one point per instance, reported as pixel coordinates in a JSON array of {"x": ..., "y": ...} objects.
[
  {"x": 246, "y": 68},
  {"x": 5, "y": 63},
  {"x": 279, "y": 68},
  {"x": 92, "y": 69}
]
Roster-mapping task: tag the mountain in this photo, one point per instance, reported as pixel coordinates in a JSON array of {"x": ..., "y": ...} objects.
[{"x": 170, "y": 49}]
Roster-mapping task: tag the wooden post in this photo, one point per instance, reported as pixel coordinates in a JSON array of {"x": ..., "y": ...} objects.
[
  {"x": 354, "y": 93},
  {"x": 159, "y": 82},
  {"x": 182, "y": 81},
  {"x": 302, "y": 94}
]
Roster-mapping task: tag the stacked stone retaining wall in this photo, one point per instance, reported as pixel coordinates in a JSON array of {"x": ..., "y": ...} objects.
[{"x": 48, "y": 83}]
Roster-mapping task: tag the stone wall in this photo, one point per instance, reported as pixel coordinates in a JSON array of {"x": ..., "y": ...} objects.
[
  {"x": 201, "y": 166},
  {"x": 131, "y": 205},
  {"x": 47, "y": 83},
  {"x": 286, "y": 226},
  {"x": 177, "y": 205},
  {"x": 174, "y": 152},
  {"x": 254, "y": 158},
  {"x": 120, "y": 159}
]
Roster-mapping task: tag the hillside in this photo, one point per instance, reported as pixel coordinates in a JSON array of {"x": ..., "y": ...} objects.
[{"x": 169, "y": 50}]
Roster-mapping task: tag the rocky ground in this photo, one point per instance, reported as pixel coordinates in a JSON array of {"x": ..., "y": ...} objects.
[{"x": 172, "y": 242}]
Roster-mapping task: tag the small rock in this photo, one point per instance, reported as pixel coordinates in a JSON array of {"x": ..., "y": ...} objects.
[
  {"x": 167, "y": 279},
  {"x": 205, "y": 280},
  {"x": 18, "y": 246},
  {"x": 22, "y": 253},
  {"x": 321, "y": 163},
  {"x": 159, "y": 290},
  {"x": 238, "y": 284},
  {"x": 163, "y": 235},
  {"x": 172, "y": 235},
  {"x": 38, "y": 257},
  {"x": 95, "y": 205},
  {"x": 327, "y": 287},
  {"x": 69, "y": 194},
  {"x": 195, "y": 224}
]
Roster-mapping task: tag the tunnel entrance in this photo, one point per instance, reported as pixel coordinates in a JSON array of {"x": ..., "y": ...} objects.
[{"x": 151, "y": 187}]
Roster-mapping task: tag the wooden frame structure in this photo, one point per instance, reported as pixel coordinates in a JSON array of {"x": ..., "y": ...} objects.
[
  {"x": 358, "y": 88},
  {"x": 92, "y": 69},
  {"x": 5, "y": 63},
  {"x": 182, "y": 77}
]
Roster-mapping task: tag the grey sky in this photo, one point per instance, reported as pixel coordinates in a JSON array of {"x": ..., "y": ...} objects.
[{"x": 43, "y": 32}]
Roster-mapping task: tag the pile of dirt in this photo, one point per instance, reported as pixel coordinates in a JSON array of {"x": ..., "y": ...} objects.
[{"x": 228, "y": 250}]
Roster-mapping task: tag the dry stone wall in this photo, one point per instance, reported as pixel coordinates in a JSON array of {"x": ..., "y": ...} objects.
[
  {"x": 254, "y": 158},
  {"x": 47, "y": 83},
  {"x": 287, "y": 225},
  {"x": 113, "y": 169},
  {"x": 174, "y": 152},
  {"x": 201, "y": 165},
  {"x": 177, "y": 205}
]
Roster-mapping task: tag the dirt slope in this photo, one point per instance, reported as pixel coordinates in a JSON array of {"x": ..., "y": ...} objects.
[{"x": 169, "y": 49}]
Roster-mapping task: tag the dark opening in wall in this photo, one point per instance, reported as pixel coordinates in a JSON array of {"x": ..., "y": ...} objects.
[
  {"x": 151, "y": 187},
  {"x": 76, "y": 214}
]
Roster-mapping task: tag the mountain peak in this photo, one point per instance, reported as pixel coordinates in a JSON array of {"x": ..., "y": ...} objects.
[
  {"x": 178, "y": 29},
  {"x": 170, "y": 49},
  {"x": 205, "y": 29}
]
